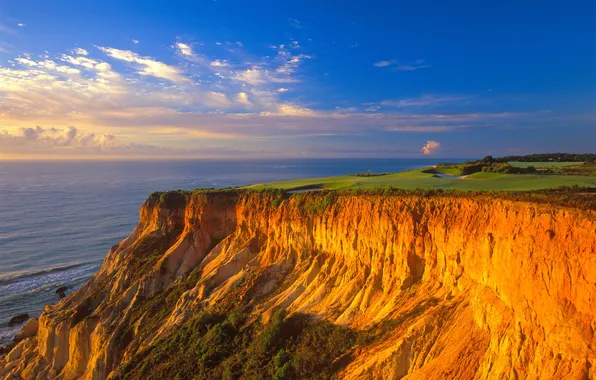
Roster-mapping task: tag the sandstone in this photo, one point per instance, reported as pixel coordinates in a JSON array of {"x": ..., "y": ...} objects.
[
  {"x": 475, "y": 287},
  {"x": 28, "y": 330}
]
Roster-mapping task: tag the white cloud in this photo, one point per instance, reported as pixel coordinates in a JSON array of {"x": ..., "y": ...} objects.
[
  {"x": 282, "y": 69},
  {"x": 242, "y": 103},
  {"x": 383, "y": 63},
  {"x": 79, "y": 51},
  {"x": 253, "y": 76},
  {"x": 242, "y": 98},
  {"x": 431, "y": 147},
  {"x": 428, "y": 128},
  {"x": 289, "y": 110},
  {"x": 136, "y": 42},
  {"x": 79, "y": 86},
  {"x": 184, "y": 49},
  {"x": 54, "y": 137},
  {"x": 146, "y": 65},
  {"x": 294, "y": 23},
  {"x": 72, "y": 142},
  {"x": 217, "y": 99},
  {"x": 21, "y": 24},
  {"x": 219, "y": 63},
  {"x": 424, "y": 101},
  {"x": 26, "y": 61},
  {"x": 416, "y": 65},
  {"x": 411, "y": 66},
  {"x": 291, "y": 63},
  {"x": 49, "y": 65}
]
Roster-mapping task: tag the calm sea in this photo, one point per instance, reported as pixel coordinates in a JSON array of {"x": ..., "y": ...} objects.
[{"x": 58, "y": 219}]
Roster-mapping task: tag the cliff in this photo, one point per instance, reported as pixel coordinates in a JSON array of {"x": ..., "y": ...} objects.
[{"x": 230, "y": 285}]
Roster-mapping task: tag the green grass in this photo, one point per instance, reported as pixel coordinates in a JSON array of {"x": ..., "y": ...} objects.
[
  {"x": 221, "y": 346},
  {"x": 519, "y": 164},
  {"x": 414, "y": 179},
  {"x": 451, "y": 171}
]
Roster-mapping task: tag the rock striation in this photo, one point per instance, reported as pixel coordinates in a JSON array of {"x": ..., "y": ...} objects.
[{"x": 464, "y": 286}]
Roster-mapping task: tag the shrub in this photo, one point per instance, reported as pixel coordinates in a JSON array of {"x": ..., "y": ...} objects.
[{"x": 211, "y": 346}]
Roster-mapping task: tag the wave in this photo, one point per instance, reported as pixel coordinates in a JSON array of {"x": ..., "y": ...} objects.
[
  {"x": 13, "y": 277},
  {"x": 35, "y": 288}
]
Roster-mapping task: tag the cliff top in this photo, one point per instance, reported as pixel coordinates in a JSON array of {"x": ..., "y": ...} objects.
[
  {"x": 574, "y": 197},
  {"x": 442, "y": 177}
]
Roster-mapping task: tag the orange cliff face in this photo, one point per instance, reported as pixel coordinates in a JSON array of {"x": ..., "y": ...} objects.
[{"x": 473, "y": 287}]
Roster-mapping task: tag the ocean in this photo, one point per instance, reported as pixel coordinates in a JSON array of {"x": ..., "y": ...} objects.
[{"x": 58, "y": 219}]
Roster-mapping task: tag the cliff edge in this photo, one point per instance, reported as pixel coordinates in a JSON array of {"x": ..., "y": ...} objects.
[{"x": 265, "y": 285}]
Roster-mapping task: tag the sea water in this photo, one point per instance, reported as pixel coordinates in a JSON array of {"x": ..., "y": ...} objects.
[{"x": 58, "y": 219}]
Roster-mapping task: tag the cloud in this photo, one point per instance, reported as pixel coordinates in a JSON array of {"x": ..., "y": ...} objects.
[
  {"x": 384, "y": 63},
  {"x": 290, "y": 63},
  {"x": 294, "y": 23},
  {"x": 184, "y": 49},
  {"x": 242, "y": 98},
  {"x": 396, "y": 65},
  {"x": 431, "y": 147},
  {"x": 287, "y": 64},
  {"x": 40, "y": 138},
  {"x": 49, "y": 65},
  {"x": 146, "y": 65},
  {"x": 79, "y": 51},
  {"x": 219, "y": 63},
  {"x": 71, "y": 142},
  {"x": 428, "y": 128},
  {"x": 217, "y": 100},
  {"x": 290, "y": 110},
  {"x": 254, "y": 76},
  {"x": 136, "y": 42},
  {"x": 103, "y": 70},
  {"x": 257, "y": 76},
  {"x": 224, "y": 101},
  {"x": 77, "y": 85},
  {"x": 21, "y": 25},
  {"x": 416, "y": 65},
  {"x": 424, "y": 101}
]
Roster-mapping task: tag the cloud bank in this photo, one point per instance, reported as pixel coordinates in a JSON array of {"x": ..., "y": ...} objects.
[
  {"x": 431, "y": 147},
  {"x": 193, "y": 103}
]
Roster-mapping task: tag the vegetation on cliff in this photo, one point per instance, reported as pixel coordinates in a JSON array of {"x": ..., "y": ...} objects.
[
  {"x": 356, "y": 283},
  {"x": 487, "y": 174},
  {"x": 223, "y": 346}
]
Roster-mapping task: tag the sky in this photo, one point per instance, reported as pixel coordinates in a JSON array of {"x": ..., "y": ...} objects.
[{"x": 240, "y": 79}]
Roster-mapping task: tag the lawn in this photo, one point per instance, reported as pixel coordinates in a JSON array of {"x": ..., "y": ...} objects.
[
  {"x": 519, "y": 164},
  {"x": 417, "y": 179},
  {"x": 456, "y": 171}
]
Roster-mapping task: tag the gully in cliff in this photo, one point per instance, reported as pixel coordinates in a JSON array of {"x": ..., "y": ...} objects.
[{"x": 350, "y": 284}]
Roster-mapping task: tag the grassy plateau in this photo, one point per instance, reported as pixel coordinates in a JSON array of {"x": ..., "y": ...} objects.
[{"x": 448, "y": 178}]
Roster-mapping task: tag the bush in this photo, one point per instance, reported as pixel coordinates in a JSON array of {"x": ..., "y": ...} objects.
[{"x": 211, "y": 346}]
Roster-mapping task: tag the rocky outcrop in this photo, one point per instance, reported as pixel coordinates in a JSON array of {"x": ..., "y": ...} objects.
[
  {"x": 18, "y": 319},
  {"x": 28, "y": 330},
  {"x": 463, "y": 286}
]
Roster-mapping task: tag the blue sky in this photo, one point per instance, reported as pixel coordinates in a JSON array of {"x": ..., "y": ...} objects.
[{"x": 296, "y": 79}]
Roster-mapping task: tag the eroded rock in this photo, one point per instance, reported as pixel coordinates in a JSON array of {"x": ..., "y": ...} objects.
[
  {"x": 18, "y": 319},
  {"x": 467, "y": 287},
  {"x": 28, "y": 330}
]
